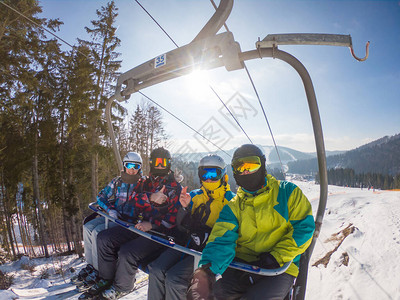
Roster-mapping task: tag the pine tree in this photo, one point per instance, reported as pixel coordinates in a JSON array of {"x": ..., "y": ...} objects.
[
  {"x": 146, "y": 131},
  {"x": 74, "y": 157},
  {"x": 106, "y": 66},
  {"x": 26, "y": 62}
]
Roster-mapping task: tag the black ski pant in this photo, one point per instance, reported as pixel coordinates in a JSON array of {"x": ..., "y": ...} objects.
[
  {"x": 169, "y": 276},
  {"x": 121, "y": 252},
  {"x": 236, "y": 284}
]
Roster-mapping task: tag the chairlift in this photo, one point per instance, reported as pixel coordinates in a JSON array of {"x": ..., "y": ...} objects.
[{"x": 210, "y": 50}]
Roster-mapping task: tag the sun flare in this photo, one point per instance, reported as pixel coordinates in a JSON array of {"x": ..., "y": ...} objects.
[{"x": 198, "y": 84}]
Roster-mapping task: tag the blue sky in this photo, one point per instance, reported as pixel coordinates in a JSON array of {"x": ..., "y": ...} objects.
[{"x": 358, "y": 101}]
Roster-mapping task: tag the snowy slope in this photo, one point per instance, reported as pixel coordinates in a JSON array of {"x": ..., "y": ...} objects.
[
  {"x": 359, "y": 243},
  {"x": 373, "y": 271}
]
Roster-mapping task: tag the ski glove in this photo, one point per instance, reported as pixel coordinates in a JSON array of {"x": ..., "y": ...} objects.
[
  {"x": 159, "y": 197},
  {"x": 268, "y": 261},
  {"x": 200, "y": 287},
  {"x": 199, "y": 237},
  {"x": 113, "y": 214}
]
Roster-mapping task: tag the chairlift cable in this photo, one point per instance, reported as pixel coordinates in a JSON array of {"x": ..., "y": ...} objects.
[
  {"x": 231, "y": 113},
  {"x": 44, "y": 28},
  {"x": 266, "y": 119},
  {"x": 259, "y": 101},
  {"x": 209, "y": 85},
  {"x": 148, "y": 98},
  {"x": 157, "y": 23}
]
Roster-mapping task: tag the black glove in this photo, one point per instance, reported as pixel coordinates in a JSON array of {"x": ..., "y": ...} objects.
[
  {"x": 199, "y": 239},
  {"x": 268, "y": 261},
  {"x": 200, "y": 287}
]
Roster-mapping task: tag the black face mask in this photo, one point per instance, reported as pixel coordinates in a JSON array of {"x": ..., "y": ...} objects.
[
  {"x": 130, "y": 179},
  {"x": 159, "y": 172},
  {"x": 251, "y": 182}
]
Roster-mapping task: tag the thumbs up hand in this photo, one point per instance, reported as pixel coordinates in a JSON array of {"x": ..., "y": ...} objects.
[
  {"x": 184, "y": 198},
  {"x": 159, "y": 197}
]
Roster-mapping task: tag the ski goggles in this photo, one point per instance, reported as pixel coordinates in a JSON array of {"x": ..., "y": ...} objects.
[
  {"x": 249, "y": 163},
  {"x": 131, "y": 165},
  {"x": 160, "y": 161},
  {"x": 213, "y": 174}
]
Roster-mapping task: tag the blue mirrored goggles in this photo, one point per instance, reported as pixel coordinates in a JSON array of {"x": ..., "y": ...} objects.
[
  {"x": 131, "y": 165},
  {"x": 213, "y": 174}
]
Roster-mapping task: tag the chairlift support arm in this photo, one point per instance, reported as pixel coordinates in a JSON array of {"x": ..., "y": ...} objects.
[
  {"x": 342, "y": 40},
  {"x": 213, "y": 52},
  {"x": 209, "y": 53}
]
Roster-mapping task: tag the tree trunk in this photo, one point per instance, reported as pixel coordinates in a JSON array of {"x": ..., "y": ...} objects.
[
  {"x": 94, "y": 180},
  {"x": 8, "y": 224},
  {"x": 76, "y": 219},
  {"x": 36, "y": 197},
  {"x": 28, "y": 237},
  {"x": 21, "y": 227},
  {"x": 62, "y": 185},
  {"x": 14, "y": 236},
  {"x": 10, "y": 237}
]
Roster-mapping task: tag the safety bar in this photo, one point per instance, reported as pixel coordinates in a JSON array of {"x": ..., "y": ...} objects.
[{"x": 194, "y": 253}]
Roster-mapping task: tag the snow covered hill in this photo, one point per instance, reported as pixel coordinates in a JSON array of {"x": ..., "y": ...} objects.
[
  {"x": 362, "y": 230},
  {"x": 355, "y": 257}
]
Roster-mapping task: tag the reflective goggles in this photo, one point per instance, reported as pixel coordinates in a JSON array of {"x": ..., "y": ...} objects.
[
  {"x": 213, "y": 174},
  {"x": 249, "y": 163},
  {"x": 160, "y": 161},
  {"x": 132, "y": 165}
]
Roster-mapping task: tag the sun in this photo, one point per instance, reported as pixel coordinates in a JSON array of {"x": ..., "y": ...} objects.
[{"x": 197, "y": 84}]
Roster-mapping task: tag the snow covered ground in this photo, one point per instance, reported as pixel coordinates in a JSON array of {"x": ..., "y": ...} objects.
[{"x": 356, "y": 255}]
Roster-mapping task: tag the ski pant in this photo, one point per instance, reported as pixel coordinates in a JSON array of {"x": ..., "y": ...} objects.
[
  {"x": 169, "y": 276},
  {"x": 236, "y": 284},
  {"x": 120, "y": 253},
  {"x": 90, "y": 232}
]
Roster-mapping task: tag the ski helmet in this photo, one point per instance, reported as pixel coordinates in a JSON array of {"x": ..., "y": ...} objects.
[
  {"x": 212, "y": 167},
  {"x": 212, "y": 160},
  {"x": 160, "y": 156},
  {"x": 132, "y": 157},
  {"x": 256, "y": 180},
  {"x": 248, "y": 150}
]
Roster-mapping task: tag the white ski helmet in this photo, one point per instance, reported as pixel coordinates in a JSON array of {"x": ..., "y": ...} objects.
[
  {"x": 212, "y": 160},
  {"x": 132, "y": 157},
  {"x": 209, "y": 162}
]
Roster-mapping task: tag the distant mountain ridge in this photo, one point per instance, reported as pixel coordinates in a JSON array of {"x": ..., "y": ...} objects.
[
  {"x": 380, "y": 156},
  {"x": 286, "y": 155},
  {"x": 378, "y": 142}
]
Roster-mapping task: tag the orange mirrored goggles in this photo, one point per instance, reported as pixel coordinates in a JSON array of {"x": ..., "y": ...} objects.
[
  {"x": 249, "y": 163},
  {"x": 160, "y": 161}
]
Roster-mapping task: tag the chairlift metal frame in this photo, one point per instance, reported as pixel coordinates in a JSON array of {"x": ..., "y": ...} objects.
[{"x": 210, "y": 50}]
